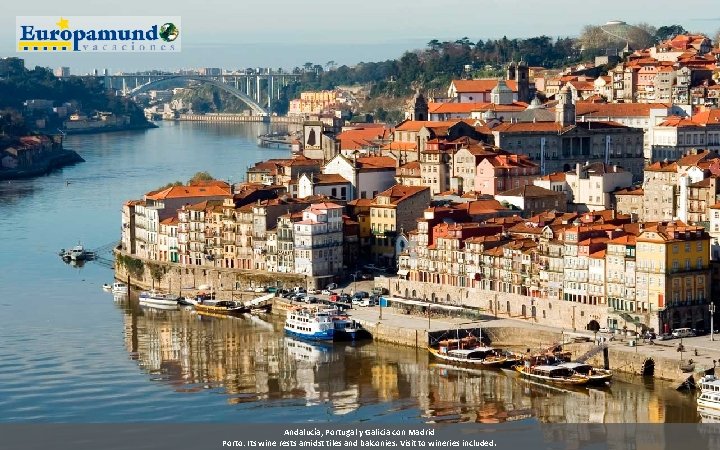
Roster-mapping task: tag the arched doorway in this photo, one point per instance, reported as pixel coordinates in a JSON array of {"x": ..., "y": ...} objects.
[
  {"x": 432, "y": 297},
  {"x": 593, "y": 326},
  {"x": 507, "y": 305},
  {"x": 407, "y": 292},
  {"x": 648, "y": 368},
  {"x": 447, "y": 298},
  {"x": 533, "y": 311},
  {"x": 523, "y": 311},
  {"x": 414, "y": 294}
]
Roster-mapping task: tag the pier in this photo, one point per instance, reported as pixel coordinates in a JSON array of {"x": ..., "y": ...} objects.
[{"x": 238, "y": 118}]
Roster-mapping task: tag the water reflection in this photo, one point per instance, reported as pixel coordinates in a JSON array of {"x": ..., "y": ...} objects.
[{"x": 249, "y": 360}]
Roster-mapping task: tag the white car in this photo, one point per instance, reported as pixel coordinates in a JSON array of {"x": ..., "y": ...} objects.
[
  {"x": 327, "y": 292},
  {"x": 260, "y": 289}
]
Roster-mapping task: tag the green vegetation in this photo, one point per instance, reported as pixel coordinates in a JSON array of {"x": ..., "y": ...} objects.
[
  {"x": 87, "y": 95},
  {"x": 157, "y": 271},
  {"x": 135, "y": 267},
  {"x": 198, "y": 177},
  {"x": 433, "y": 67},
  {"x": 208, "y": 99}
]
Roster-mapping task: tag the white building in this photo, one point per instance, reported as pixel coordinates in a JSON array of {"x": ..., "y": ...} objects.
[
  {"x": 368, "y": 175},
  {"x": 329, "y": 185},
  {"x": 318, "y": 244},
  {"x": 590, "y": 186}
]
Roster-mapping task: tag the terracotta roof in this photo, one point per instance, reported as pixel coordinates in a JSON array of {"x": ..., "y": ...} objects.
[
  {"x": 679, "y": 122},
  {"x": 361, "y": 202},
  {"x": 484, "y": 207},
  {"x": 376, "y": 162},
  {"x": 188, "y": 192},
  {"x": 661, "y": 166},
  {"x": 399, "y": 193},
  {"x": 416, "y": 125},
  {"x": 695, "y": 159},
  {"x": 707, "y": 117},
  {"x": 617, "y": 109},
  {"x": 362, "y": 137},
  {"x": 629, "y": 191},
  {"x": 531, "y": 191},
  {"x": 481, "y": 85},
  {"x": 328, "y": 178},
  {"x": 554, "y": 177}
]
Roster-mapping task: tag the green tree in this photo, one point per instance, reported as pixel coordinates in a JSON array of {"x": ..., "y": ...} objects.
[
  {"x": 668, "y": 32},
  {"x": 199, "y": 177}
]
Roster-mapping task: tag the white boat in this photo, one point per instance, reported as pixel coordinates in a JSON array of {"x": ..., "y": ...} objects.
[
  {"x": 314, "y": 324},
  {"x": 158, "y": 299},
  {"x": 107, "y": 287},
  {"x": 119, "y": 288},
  {"x": 77, "y": 253},
  {"x": 709, "y": 392}
]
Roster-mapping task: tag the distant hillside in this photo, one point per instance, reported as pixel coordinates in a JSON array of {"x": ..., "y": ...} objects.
[{"x": 39, "y": 83}]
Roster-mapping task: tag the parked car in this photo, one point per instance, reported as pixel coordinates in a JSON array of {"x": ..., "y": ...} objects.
[
  {"x": 299, "y": 297},
  {"x": 683, "y": 333},
  {"x": 331, "y": 286},
  {"x": 310, "y": 299},
  {"x": 260, "y": 289},
  {"x": 367, "y": 276},
  {"x": 379, "y": 291},
  {"x": 700, "y": 332},
  {"x": 665, "y": 337},
  {"x": 367, "y": 302},
  {"x": 604, "y": 330},
  {"x": 273, "y": 290},
  {"x": 344, "y": 297},
  {"x": 313, "y": 291},
  {"x": 370, "y": 267},
  {"x": 362, "y": 294},
  {"x": 327, "y": 292}
]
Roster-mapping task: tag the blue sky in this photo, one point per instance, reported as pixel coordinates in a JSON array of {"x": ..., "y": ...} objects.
[{"x": 287, "y": 33}]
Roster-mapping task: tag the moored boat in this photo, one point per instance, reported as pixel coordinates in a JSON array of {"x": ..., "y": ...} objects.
[
  {"x": 476, "y": 356},
  {"x": 107, "y": 287},
  {"x": 596, "y": 376},
  {"x": 709, "y": 392},
  {"x": 347, "y": 329},
  {"x": 221, "y": 307},
  {"x": 158, "y": 299},
  {"x": 308, "y": 323},
  {"x": 553, "y": 374},
  {"x": 119, "y": 288}
]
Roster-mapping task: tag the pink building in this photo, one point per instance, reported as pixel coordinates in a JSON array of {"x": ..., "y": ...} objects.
[{"x": 504, "y": 172}]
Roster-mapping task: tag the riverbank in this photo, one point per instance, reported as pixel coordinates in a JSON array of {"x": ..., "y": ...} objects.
[
  {"x": 624, "y": 355},
  {"x": 110, "y": 129},
  {"x": 59, "y": 159}
]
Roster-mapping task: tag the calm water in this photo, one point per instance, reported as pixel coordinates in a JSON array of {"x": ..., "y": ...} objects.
[{"x": 70, "y": 353}]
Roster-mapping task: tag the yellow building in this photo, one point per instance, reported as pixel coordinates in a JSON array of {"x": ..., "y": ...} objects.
[
  {"x": 673, "y": 275},
  {"x": 391, "y": 211}
]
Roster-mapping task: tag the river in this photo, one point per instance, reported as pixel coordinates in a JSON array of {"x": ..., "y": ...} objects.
[{"x": 69, "y": 352}]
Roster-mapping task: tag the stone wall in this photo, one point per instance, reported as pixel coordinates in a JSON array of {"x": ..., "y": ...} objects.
[
  {"x": 177, "y": 278},
  {"x": 554, "y": 313}
]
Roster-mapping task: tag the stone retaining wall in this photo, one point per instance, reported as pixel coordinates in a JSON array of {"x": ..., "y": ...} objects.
[{"x": 176, "y": 278}]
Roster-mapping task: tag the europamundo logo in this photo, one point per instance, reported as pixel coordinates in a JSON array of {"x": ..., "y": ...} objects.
[{"x": 98, "y": 34}]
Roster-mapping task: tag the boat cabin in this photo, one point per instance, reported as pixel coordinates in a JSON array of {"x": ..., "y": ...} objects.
[
  {"x": 477, "y": 353},
  {"x": 551, "y": 371}
]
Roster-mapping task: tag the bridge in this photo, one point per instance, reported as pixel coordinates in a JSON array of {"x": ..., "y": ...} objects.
[{"x": 257, "y": 90}]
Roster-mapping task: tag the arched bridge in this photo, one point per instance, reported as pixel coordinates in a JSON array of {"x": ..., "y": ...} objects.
[{"x": 254, "y": 106}]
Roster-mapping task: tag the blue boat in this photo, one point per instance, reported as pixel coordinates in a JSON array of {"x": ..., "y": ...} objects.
[{"x": 312, "y": 324}]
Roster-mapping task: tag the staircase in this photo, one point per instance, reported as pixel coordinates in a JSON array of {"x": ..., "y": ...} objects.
[{"x": 590, "y": 353}]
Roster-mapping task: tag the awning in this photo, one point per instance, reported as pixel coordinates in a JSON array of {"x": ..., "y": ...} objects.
[{"x": 403, "y": 272}]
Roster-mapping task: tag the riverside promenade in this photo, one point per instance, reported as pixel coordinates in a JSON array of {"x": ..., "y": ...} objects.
[{"x": 661, "y": 359}]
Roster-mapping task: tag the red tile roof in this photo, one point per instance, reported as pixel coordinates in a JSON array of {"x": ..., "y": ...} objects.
[{"x": 481, "y": 85}]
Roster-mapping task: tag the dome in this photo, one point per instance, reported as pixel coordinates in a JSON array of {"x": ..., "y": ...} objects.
[
  {"x": 535, "y": 103},
  {"x": 501, "y": 87}
]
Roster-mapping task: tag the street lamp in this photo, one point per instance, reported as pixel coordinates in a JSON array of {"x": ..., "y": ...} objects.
[
  {"x": 354, "y": 283},
  {"x": 712, "y": 323}
]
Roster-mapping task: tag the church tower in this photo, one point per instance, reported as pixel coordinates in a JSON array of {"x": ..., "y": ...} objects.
[
  {"x": 523, "y": 82},
  {"x": 418, "y": 108},
  {"x": 565, "y": 109}
]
